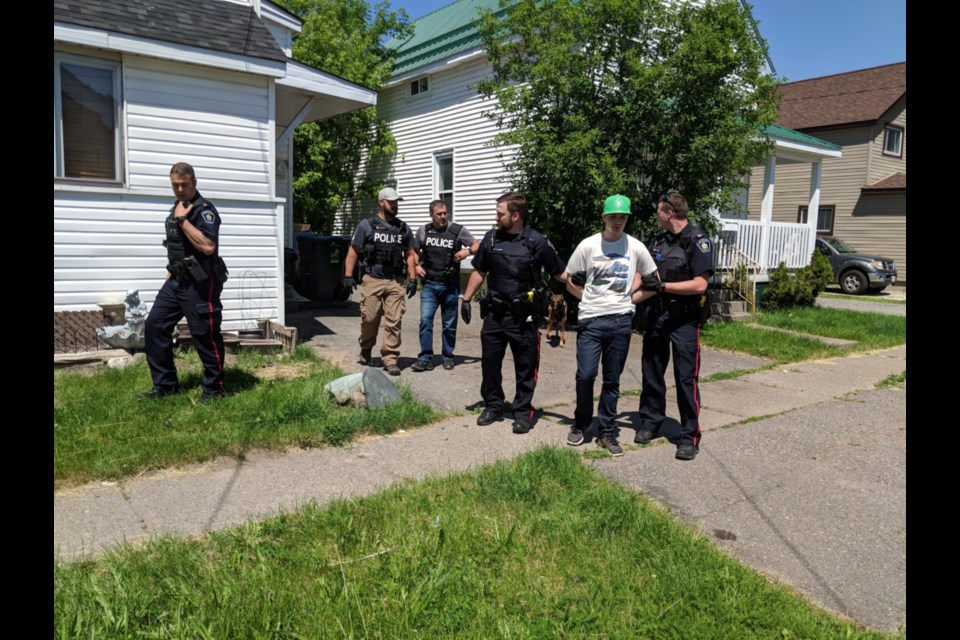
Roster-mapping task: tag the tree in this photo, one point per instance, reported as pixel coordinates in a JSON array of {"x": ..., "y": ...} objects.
[
  {"x": 625, "y": 96},
  {"x": 345, "y": 38}
]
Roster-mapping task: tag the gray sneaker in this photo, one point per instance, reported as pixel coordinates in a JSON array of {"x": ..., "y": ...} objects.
[
  {"x": 423, "y": 365},
  {"x": 610, "y": 444},
  {"x": 448, "y": 364},
  {"x": 575, "y": 437}
]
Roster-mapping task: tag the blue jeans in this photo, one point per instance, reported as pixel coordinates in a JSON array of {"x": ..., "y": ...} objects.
[
  {"x": 605, "y": 338},
  {"x": 435, "y": 294}
]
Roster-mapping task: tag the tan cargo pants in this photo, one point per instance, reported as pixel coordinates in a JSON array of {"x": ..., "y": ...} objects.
[{"x": 382, "y": 298}]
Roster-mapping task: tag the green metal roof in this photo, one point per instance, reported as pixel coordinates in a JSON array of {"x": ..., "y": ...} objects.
[
  {"x": 780, "y": 131},
  {"x": 440, "y": 34}
]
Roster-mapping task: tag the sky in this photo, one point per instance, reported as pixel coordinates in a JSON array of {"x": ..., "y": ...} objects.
[{"x": 807, "y": 38}]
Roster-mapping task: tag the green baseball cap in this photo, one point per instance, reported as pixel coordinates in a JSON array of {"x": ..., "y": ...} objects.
[{"x": 616, "y": 204}]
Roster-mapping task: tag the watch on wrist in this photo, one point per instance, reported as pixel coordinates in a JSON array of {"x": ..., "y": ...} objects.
[{"x": 179, "y": 220}]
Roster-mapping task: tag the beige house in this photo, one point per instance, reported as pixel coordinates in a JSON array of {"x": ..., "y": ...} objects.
[{"x": 863, "y": 193}]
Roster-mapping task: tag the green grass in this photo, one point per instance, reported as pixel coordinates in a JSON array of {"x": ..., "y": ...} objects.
[
  {"x": 895, "y": 380},
  {"x": 869, "y": 330},
  {"x": 540, "y": 547},
  {"x": 102, "y": 431}
]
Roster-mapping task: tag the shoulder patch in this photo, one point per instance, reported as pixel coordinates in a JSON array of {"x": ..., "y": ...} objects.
[
  {"x": 704, "y": 246},
  {"x": 208, "y": 217}
]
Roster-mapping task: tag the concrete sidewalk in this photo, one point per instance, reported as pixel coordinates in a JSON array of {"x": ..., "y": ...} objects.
[{"x": 801, "y": 472}]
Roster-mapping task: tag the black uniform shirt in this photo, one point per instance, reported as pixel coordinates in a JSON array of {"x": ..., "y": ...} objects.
[
  {"x": 683, "y": 256},
  {"x": 203, "y": 216},
  {"x": 512, "y": 261}
]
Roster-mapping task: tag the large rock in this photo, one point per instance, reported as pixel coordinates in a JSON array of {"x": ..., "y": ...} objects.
[{"x": 375, "y": 387}]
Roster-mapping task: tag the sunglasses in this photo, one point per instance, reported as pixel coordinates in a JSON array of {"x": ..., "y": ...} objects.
[{"x": 665, "y": 198}]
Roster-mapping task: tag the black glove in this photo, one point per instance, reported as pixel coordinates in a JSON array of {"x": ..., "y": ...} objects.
[
  {"x": 579, "y": 278},
  {"x": 466, "y": 312},
  {"x": 411, "y": 288},
  {"x": 651, "y": 283},
  {"x": 349, "y": 284}
]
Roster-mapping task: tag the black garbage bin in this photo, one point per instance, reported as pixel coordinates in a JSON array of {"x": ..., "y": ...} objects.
[{"x": 321, "y": 267}]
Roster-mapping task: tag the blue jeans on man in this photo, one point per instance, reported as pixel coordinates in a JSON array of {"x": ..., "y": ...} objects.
[
  {"x": 442, "y": 295},
  {"x": 603, "y": 339}
]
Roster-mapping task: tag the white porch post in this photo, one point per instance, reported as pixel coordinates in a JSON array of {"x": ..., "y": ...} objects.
[
  {"x": 766, "y": 211},
  {"x": 813, "y": 208},
  {"x": 281, "y": 273}
]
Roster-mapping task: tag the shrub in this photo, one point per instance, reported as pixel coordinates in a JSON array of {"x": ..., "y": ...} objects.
[{"x": 798, "y": 289}]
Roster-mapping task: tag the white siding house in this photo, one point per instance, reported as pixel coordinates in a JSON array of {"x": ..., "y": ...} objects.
[{"x": 131, "y": 99}]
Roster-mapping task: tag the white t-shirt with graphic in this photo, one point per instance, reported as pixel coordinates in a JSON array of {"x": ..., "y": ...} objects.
[{"x": 611, "y": 268}]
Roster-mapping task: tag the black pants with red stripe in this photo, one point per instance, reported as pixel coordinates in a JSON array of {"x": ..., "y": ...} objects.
[
  {"x": 199, "y": 303},
  {"x": 683, "y": 335},
  {"x": 523, "y": 337}
]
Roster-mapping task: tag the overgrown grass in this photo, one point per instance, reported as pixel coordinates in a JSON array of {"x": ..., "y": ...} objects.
[
  {"x": 869, "y": 330},
  {"x": 540, "y": 547},
  {"x": 102, "y": 431}
]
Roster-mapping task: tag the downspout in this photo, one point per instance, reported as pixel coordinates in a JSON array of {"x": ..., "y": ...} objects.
[{"x": 766, "y": 212}]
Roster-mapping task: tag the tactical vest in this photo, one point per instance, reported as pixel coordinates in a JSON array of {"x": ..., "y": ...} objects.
[
  {"x": 178, "y": 247},
  {"x": 439, "y": 246},
  {"x": 514, "y": 270},
  {"x": 385, "y": 245}
]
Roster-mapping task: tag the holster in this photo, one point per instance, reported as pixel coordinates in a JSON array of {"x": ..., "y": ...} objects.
[{"x": 220, "y": 270}]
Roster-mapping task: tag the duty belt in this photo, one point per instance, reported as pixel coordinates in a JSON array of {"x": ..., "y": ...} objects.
[{"x": 674, "y": 307}]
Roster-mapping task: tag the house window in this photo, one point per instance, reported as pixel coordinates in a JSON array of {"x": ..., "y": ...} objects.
[
  {"x": 86, "y": 112},
  {"x": 824, "y": 219},
  {"x": 893, "y": 141},
  {"x": 444, "y": 179},
  {"x": 419, "y": 86}
]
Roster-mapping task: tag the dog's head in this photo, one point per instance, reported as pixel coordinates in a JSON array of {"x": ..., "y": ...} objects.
[{"x": 557, "y": 303}]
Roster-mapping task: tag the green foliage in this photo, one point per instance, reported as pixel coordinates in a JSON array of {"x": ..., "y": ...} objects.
[
  {"x": 798, "y": 289},
  {"x": 344, "y": 38},
  {"x": 625, "y": 96}
]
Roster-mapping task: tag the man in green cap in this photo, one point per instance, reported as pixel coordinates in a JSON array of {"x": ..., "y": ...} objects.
[{"x": 605, "y": 273}]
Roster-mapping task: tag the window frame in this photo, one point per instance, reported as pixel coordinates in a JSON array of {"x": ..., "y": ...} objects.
[
  {"x": 438, "y": 157},
  {"x": 418, "y": 83},
  {"x": 802, "y": 217},
  {"x": 115, "y": 67},
  {"x": 888, "y": 129}
]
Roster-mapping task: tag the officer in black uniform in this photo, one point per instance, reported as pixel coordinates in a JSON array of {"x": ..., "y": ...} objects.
[
  {"x": 195, "y": 277},
  {"x": 684, "y": 257},
  {"x": 513, "y": 256}
]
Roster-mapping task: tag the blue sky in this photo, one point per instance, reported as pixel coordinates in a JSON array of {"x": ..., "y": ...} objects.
[{"x": 807, "y": 38}]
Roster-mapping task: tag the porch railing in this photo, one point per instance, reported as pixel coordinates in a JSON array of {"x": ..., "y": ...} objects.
[{"x": 787, "y": 242}]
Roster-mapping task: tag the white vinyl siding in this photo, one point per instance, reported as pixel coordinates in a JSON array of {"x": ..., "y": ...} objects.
[
  {"x": 216, "y": 120},
  {"x": 450, "y": 118},
  {"x": 108, "y": 241}
]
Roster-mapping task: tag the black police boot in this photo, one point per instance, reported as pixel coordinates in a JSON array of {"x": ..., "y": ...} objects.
[
  {"x": 489, "y": 416},
  {"x": 687, "y": 452},
  {"x": 158, "y": 392}
]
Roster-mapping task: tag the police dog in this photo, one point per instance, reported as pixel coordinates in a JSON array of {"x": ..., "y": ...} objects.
[{"x": 557, "y": 316}]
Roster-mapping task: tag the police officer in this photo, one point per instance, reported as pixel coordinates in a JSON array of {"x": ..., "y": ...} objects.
[
  {"x": 442, "y": 246},
  {"x": 684, "y": 257},
  {"x": 385, "y": 243},
  {"x": 195, "y": 277},
  {"x": 512, "y": 255}
]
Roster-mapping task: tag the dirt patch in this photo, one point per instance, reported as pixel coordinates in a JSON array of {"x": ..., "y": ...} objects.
[{"x": 284, "y": 371}]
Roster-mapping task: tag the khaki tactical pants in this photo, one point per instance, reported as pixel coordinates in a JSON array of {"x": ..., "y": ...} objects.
[{"x": 381, "y": 298}]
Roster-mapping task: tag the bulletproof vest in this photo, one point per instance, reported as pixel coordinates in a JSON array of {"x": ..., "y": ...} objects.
[
  {"x": 513, "y": 270},
  {"x": 439, "y": 245},
  {"x": 178, "y": 247},
  {"x": 385, "y": 246},
  {"x": 672, "y": 254}
]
